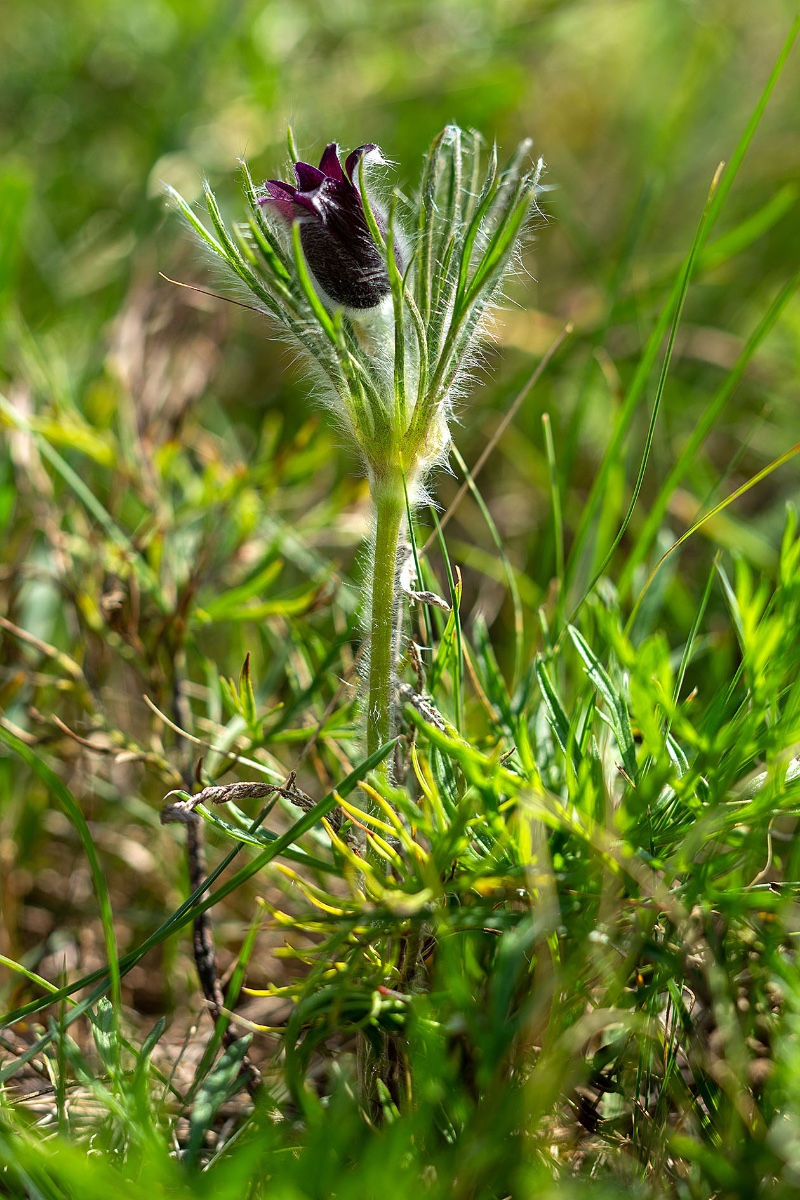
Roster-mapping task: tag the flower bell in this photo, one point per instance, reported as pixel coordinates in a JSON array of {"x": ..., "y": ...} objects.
[{"x": 346, "y": 264}]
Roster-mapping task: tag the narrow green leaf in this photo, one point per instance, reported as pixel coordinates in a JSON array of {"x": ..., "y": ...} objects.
[
  {"x": 617, "y": 708},
  {"x": 232, "y": 598},
  {"x": 188, "y": 213},
  {"x": 557, "y": 718},
  {"x": 217, "y": 1088},
  {"x": 264, "y": 838},
  {"x": 451, "y": 647},
  {"x": 104, "y": 1033},
  {"x": 247, "y": 697}
]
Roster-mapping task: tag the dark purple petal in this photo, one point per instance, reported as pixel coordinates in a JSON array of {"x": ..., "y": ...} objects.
[
  {"x": 308, "y": 177},
  {"x": 305, "y": 203},
  {"x": 281, "y": 195},
  {"x": 312, "y": 201},
  {"x": 329, "y": 163},
  {"x": 278, "y": 188},
  {"x": 352, "y": 160},
  {"x": 321, "y": 200}
]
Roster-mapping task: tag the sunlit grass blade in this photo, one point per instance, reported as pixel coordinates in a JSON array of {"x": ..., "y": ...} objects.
[
  {"x": 455, "y": 616},
  {"x": 508, "y": 570},
  {"x": 647, "y": 361},
  {"x": 555, "y": 501},
  {"x": 764, "y": 473},
  {"x": 683, "y": 289},
  {"x": 703, "y": 426}
]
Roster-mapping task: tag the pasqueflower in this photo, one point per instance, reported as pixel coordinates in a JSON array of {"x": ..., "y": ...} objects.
[
  {"x": 341, "y": 253},
  {"x": 320, "y": 255}
]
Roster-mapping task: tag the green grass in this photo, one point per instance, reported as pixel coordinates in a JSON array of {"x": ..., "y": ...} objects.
[{"x": 573, "y": 936}]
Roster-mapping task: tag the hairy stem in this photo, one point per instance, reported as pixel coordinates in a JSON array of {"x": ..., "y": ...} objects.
[
  {"x": 390, "y": 510},
  {"x": 388, "y": 497}
]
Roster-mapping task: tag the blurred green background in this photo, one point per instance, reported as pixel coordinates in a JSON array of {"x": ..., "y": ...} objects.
[
  {"x": 196, "y": 431},
  {"x": 632, "y": 103}
]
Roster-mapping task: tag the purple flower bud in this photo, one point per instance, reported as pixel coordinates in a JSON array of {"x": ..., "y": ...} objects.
[{"x": 339, "y": 249}]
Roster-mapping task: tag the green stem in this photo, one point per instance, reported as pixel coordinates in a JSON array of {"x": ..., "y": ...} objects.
[
  {"x": 390, "y": 510},
  {"x": 389, "y": 500}
]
